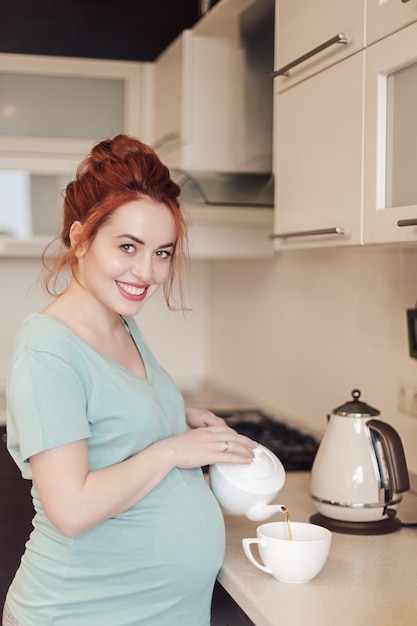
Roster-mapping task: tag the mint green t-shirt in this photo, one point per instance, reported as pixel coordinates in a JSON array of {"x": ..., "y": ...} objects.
[{"x": 156, "y": 563}]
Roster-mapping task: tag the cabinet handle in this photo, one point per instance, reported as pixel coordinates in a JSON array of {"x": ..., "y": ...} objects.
[
  {"x": 337, "y": 230},
  {"x": 404, "y": 1},
  {"x": 409, "y": 222},
  {"x": 340, "y": 38}
]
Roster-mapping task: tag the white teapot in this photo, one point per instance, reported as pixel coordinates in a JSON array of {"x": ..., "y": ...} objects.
[{"x": 249, "y": 489}]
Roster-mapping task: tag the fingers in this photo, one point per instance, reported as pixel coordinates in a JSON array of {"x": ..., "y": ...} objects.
[
  {"x": 197, "y": 418},
  {"x": 235, "y": 448},
  {"x": 211, "y": 444}
]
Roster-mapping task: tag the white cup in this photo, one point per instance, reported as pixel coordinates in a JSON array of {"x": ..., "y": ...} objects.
[{"x": 290, "y": 561}]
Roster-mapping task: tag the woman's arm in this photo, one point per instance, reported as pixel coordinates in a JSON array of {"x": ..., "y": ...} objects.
[{"x": 75, "y": 498}]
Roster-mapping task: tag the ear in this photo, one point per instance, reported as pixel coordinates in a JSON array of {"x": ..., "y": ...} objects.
[{"x": 75, "y": 234}]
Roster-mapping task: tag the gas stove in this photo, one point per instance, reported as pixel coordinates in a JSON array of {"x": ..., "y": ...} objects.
[{"x": 294, "y": 447}]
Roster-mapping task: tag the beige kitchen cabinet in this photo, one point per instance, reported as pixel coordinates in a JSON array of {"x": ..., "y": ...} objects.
[
  {"x": 196, "y": 94},
  {"x": 212, "y": 91},
  {"x": 53, "y": 106},
  {"x": 390, "y": 147},
  {"x": 52, "y": 111},
  {"x": 169, "y": 91},
  {"x": 199, "y": 122},
  {"x": 384, "y": 17},
  {"x": 318, "y": 158},
  {"x": 302, "y": 27}
]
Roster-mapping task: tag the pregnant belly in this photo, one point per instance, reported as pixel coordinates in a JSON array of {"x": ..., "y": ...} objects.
[{"x": 148, "y": 564}]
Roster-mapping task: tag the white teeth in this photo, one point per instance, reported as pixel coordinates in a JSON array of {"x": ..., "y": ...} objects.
[{"x": 130, "y": 289}]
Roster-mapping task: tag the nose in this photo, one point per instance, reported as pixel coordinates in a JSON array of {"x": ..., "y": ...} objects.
[{"x": 143, "y": 268}]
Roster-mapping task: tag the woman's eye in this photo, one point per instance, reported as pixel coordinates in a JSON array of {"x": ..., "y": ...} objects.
[
  {"x": 163, "y": 254},
  {"x": 128, "y": 247}
]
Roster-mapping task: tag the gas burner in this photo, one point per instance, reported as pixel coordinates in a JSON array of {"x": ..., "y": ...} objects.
[{"x": 295, "y": 448}]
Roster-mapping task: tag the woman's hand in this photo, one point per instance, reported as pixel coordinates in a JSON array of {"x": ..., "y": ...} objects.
[
  {"x": 198, "y": 418},
  {"x": 209, "y": 441}
]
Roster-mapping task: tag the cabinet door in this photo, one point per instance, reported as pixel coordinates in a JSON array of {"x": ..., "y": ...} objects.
[
  {"x": 210, "y": 111},
  {"x": 302, "y": 26},
  {"x": 318, "y": 158},
  {"x": 213, "y": 92},
  {"x": 390, "y": 192},
  {"x": 195, "y": 94},
  {"x": 169, "y": 75},
  {"x": 60, "y": 106},
  {"x": 384, "y": 17}
]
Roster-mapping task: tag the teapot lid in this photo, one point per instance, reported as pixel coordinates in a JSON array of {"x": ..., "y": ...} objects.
[
  {"x": 356, "y": 408},
  {"x": 264, "y": 475}
]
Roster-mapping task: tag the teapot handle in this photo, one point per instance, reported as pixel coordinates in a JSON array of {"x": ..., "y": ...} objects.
[{"x": 394, "y": 451}]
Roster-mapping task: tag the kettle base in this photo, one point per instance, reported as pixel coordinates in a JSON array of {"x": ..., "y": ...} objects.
[{"x": 380, "y": 527}]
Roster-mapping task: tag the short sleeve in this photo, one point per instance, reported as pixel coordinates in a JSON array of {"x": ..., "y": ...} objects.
[{"x": 46, "y": 405}]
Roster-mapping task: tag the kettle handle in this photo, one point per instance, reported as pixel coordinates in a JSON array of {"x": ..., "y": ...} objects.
[{"x": 394, "y": 451}]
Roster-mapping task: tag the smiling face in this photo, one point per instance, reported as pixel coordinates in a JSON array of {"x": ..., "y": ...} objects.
[{"x": 129, "y": 258}]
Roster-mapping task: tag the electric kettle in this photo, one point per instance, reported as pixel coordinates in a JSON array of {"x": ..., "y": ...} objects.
[{"x": 359, "y": 471}]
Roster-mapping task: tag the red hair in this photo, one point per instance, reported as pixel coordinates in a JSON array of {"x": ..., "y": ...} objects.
[{"x": 116, "y": 172}]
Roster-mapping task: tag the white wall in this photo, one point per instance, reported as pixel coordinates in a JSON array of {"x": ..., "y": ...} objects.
[
  {"x": 20, "y": 295},
  {"x": 180, "y": 343},
  {"x": 297, "y": 334}
]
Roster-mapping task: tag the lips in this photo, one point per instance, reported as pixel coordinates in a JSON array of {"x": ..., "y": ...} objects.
[{"x": 132, "y": 292}]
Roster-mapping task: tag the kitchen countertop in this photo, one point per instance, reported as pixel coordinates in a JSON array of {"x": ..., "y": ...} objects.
[{"x": 366, "y": 579}]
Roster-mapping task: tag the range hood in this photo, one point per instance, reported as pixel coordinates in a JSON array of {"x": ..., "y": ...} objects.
[{"x": 225, "y": 189}]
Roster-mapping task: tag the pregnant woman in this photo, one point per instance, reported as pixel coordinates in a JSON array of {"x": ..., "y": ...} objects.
[{"x": 126, "y": 530}]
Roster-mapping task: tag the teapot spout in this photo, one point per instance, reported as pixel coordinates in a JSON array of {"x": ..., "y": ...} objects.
[{"x": 260, "y": 512}]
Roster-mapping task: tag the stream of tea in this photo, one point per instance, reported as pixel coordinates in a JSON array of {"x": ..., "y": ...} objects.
[{"x": 287, "y": 519}]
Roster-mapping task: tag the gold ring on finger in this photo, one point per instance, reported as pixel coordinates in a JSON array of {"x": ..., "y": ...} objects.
[{"x": 226, "y": 447}]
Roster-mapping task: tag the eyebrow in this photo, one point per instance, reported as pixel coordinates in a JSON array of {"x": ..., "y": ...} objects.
[{"x": 141, "y": 242}]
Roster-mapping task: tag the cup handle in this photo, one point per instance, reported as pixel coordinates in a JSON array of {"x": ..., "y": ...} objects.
[{"x": 247, "y": 549}]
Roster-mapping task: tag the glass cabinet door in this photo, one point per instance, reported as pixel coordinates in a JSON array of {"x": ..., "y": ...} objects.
[
  {"x": 401, "y": 129},
  {"x": 73, "y": 107},
  {"x": 52, "y": 110},
  {"x": 31, "y": 201},
  {"x": 31, "y": 204},
  {"x": 55, "y": 106},
  {"x": 390, "y": 146}
]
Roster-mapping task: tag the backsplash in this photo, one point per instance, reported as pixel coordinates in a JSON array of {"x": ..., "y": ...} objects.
[{"x": 296, "y": 335}]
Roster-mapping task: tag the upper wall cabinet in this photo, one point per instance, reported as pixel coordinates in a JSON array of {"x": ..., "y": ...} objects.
[
  {"x": 51, "y": 112},
  {"x": 311, "y": 36},
  {"x": 318, "y": 159},
  {"x": 59, "y": 106},
  {"x": 390, "y": 192},
  {"x": 195, "y": 102},
  {"x": 384, "y": 17},
  {"x": 213, "y": 91}
]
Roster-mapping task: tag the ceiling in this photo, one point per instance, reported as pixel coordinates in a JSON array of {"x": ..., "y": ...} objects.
[{"x": 130, "y": 30}]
